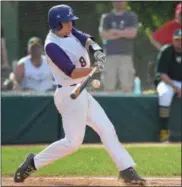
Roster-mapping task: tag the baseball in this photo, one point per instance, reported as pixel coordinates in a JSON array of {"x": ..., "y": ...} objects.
[{"x": 96, "y": 83}]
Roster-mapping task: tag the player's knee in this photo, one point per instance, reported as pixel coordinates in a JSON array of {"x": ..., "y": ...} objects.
[
  {"x": 165, "y": 99},
  {"x": 74, "y": 144}
]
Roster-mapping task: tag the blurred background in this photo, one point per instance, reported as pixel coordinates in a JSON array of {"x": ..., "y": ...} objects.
[{"x": 22, "y": 20}]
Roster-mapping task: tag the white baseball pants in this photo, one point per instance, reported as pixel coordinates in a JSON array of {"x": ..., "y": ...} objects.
[
  {"x": 75, "y": 115},
  {"x": 166, "y": 93}
]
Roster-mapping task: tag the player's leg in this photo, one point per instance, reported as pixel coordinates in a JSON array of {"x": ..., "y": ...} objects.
[
  {"x": 74, "y": 114},
  {"x": 165, "y": 95},
  {"x": 126, "y": 74},
  {"x": 98, "y": 120},
  {"x": 109, "y": 74}
]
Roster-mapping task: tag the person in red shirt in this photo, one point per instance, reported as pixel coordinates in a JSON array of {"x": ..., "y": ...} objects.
[{"x": 164, "y": 34}]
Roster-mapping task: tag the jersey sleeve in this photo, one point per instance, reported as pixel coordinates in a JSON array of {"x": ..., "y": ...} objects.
[
  {"x": 104, "y": 23},
  {"x": 59, "y": 58},
  {"x": 81, "y": 36},
  {"x": 163, "y": 61}
]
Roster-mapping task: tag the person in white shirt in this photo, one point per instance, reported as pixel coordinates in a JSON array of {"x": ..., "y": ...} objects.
[{"x": 32, "y": 72}]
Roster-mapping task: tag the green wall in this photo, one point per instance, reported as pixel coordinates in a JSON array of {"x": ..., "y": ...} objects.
[{"x": 34, "y": 119}]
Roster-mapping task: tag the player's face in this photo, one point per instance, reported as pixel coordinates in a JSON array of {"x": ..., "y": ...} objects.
[
  {"x": 66, "y": 28},
  {"x": 119, "y": 5},
  {"x": 177, "y": 43},
  {"x": 35, "y": 51}
]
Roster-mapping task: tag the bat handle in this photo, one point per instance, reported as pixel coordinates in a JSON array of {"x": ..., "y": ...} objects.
[
  {"x": 73, "y": 95},
  {"x": 80, "y": 86},
  {"x": 75, "y": 92}
]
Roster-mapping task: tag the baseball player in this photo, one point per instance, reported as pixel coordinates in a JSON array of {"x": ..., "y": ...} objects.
[
  {"x": 67, "y": 56},
  {"x": 168, "y": 79}
]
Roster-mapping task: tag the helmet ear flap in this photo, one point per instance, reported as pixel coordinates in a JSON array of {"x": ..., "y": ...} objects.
[
  {"x": 73, "y": 23},
  {"x": 59, "y": 27}
]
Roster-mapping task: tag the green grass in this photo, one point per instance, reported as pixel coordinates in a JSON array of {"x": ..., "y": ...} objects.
[{"x": 151, "y": 161}]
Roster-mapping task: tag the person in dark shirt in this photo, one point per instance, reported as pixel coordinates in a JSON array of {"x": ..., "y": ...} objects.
[
  {"x": 118, "y": 30},
  {"x": 168, "y": 79}
]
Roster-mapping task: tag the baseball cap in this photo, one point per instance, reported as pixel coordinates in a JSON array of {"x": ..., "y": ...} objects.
[
  {"x": 33, "y": 41},
  {"x": 179, "y": 9},
  {"x": 177, "y": 34}
]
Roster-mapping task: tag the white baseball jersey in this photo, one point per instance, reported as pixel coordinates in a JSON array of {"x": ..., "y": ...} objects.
[
  {"x": 65, "y": 54},
  {"x": 36, "y": 78}
]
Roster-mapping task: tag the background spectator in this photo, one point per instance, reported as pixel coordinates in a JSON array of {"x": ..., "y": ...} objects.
[
  {"x": 169, "y": 78},
  {"x": 164, "y": 34},
  {"x": 4, "y": 62},
  {"x": 32, "y": 72},
  {"x": 118, "y": 30},
  {"x": 5, "y": 68}
]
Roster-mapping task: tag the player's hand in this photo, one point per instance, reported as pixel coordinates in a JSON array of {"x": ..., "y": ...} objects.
[
  {"x": 100, "y": 56},
  {"x": 100, "y": 66},
  {"x": 115, "y": 32}
]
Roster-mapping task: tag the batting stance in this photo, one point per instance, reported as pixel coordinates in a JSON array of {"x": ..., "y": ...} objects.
[
  {"x": 169, "y": 79},
  {"x": 67, "y": 56}
]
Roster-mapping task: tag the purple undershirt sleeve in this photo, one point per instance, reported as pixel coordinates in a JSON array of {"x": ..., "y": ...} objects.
[
  {"x": 81, "y": 36},
  {"x": 60, "y": 58}
]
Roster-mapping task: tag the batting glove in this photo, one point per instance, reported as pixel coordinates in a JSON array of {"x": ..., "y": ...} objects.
[
  {"x": 100, "y": 66},
  {"x": 100, "y": 57}
]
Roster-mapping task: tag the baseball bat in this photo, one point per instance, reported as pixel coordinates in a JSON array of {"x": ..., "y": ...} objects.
[{"x": 80, "y": 86}]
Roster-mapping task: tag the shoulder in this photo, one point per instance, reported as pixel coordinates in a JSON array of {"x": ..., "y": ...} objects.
[
  {"x": 107, "y": 15},
  {"x": 50, "y": 38},
  {"x": 104, "y": 15},
  {"x": 131, "y": 14},
  {"x": 43, "y": 57},
  {"x": 169, "y": 24},
  {"x": 51, "y": 47},
  {"x": 23, "y": 60},
  {"x": 166, "y": 49}
]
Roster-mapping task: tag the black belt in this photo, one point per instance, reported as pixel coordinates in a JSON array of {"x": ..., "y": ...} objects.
[{"x": 59, "y": 86}]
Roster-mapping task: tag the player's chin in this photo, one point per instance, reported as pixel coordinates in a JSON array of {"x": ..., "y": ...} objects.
[{"x": 68, "y": 33}]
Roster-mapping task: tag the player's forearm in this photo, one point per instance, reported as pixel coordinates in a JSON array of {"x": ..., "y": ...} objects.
[
  {"x": 128, "y": 33},
  {"x": 167, "y": 80},
  {"x": 80, "y": 72},
  {"x": 107, "y": 35},
  {"x": 155, "y": 43}
]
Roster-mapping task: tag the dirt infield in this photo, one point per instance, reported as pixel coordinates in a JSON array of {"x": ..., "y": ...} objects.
[{"x": 86, "y": 181}]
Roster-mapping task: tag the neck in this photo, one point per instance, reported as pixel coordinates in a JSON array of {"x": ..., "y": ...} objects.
[
  {"x": 58, "y": 34},
  {"x": 119, "y": 11},
  {"x": 36, "y": 61},
  {"x": 36, "y": 58}
]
